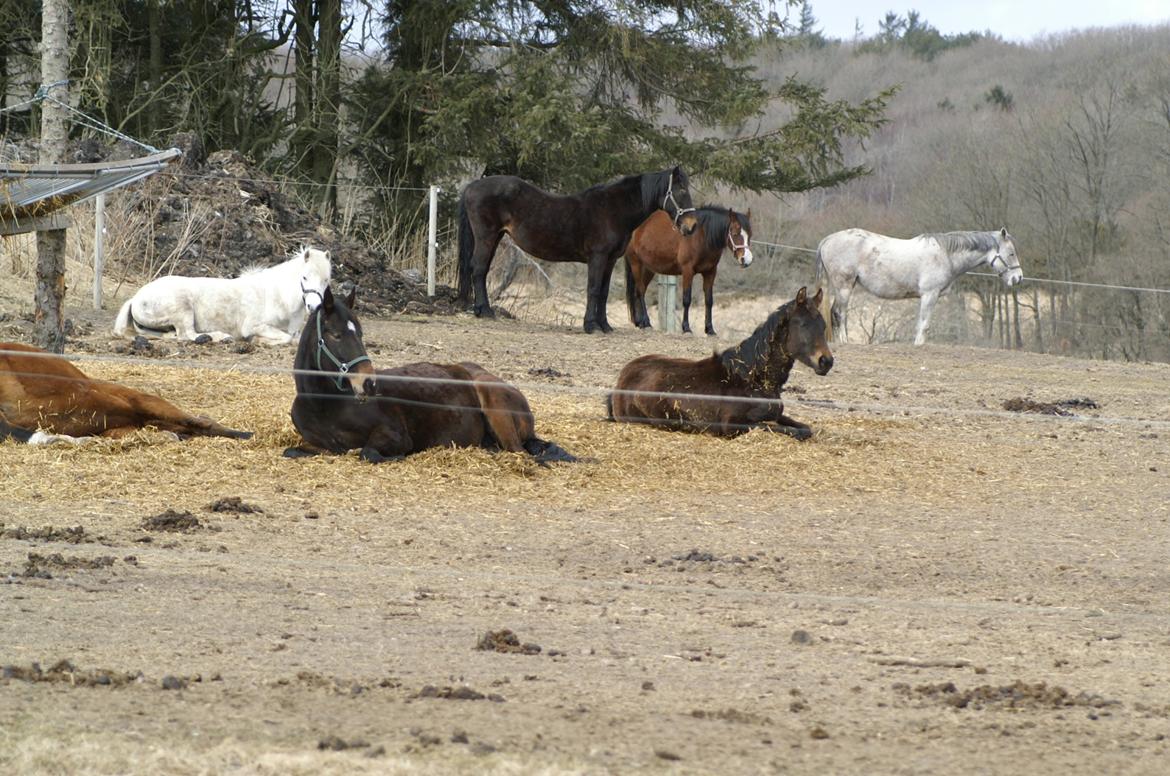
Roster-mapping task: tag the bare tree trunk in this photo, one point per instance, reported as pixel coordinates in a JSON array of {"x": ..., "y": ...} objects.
[
  {"x": 305, "y": 20},
  {"x": 1039, "y": 320},
  {"x": 49, "y": 325},
  {"x": 154, "y": 25},
  {"x": 328, "y": 102}
]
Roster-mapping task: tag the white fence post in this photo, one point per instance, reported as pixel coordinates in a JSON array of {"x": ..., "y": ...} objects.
[
  {"x": 432, "y": 240},
  {"x": 99, "y": 249},
  {"x": 667, "y": 302}
]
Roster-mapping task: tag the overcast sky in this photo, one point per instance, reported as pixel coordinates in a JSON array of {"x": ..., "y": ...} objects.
[{"x": 1016, "y": 20}]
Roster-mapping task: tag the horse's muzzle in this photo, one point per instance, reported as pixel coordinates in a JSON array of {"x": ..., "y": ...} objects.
[{"x": 824, "y": 364}]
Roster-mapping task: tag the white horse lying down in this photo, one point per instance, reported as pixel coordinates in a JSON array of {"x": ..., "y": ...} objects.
[
  {"x": 269, "y": 304},
  {"x": 922, "y": 266}
]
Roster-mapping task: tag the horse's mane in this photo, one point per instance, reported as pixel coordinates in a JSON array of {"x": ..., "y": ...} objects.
[
  {"x": 742, "y": 359},
  {"x": 965, "y": 242},
  {"x": 319, "y": 258},
  {"x": 715, "y": 221},
  {"x": 655, "y": 184}
]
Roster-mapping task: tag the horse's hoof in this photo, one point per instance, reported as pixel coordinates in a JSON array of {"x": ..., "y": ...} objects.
[
  {"x": 202, "y": 339},
  {"x": 296, "y": 452},
  {"x": 484, "y": 312},
  {"x": 710, "y": 332}
]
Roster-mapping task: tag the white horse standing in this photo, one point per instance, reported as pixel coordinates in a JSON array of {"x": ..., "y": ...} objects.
[
  {"x": 923, "y": 266},
  {"x": 269, "y": 304}
]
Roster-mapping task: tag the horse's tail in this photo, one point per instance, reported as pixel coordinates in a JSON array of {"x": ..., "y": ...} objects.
[
  {"x": 466, "y": 251},
  {"x": 631, "y": 292},
  {"x": 826, "y": 307},
  {"x": 124, "y": 319}
]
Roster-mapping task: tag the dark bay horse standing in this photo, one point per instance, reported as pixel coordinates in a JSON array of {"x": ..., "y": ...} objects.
[
  {"x": 734, "y": 391},
  {"x": 658, "y": 248},
  {"x": 40, "y": 390},
  {"x": 592, "y": 227},
  {"x": 343, "y": 403}
]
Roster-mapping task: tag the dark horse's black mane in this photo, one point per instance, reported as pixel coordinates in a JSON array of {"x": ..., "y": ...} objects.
[
  {"x": 715, "y": 221},
  {"x": 654, "y": 186},
  {"x": 744, "y": 359}
]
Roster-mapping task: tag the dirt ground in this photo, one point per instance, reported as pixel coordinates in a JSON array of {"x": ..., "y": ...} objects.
[{"x": 931, "y": 584}]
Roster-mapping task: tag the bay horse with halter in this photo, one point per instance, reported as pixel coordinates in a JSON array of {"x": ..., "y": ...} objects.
[
  {"x": 657, "y": 248},
  {"x": 343, "y": 403},
  {"x": 923, "y": 266},
  {"x": 591, "y": 227},
  {"x": 731, "y": 392},
  {"x": 44, "y": 398}
]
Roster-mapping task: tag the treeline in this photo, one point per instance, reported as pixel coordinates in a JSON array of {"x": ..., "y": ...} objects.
[
  {"x": 1064, "y": 140},
  {"x": 410, "y": 93}
]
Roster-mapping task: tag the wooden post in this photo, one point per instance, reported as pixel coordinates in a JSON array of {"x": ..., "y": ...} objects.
[
  {"x": 432, "y": 240},
  {"x": 99, "y": 248},
  {"x": 667, "y": 302},
  {"x": 49, "y": 322}
]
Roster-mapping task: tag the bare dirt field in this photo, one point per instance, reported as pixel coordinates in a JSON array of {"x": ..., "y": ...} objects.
[{"x": 931, "y": 584}]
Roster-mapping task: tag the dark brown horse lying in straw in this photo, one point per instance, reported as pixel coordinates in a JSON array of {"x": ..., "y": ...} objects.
[
  {"x": 39, "y": 390},
  {"x": 733, "y": 391},
  {"x": 343, "y": 403}
]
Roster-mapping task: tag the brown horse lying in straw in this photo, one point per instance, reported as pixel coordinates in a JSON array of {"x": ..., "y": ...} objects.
[
  {"x": 657, "y": 247},
  {"x": 39, "y": 390},
  {"x": 343, "y": 403},
  {"x": 733, "y": 391}
]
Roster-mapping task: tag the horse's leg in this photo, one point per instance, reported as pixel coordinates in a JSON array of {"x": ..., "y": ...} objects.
[
  {"x": 644, "y": 278},
  {"x": 268, "y": 334},
  {"x": 793, "y": 428},
  {"x": 688, "y": 279},
  {"x": 603, "y": 297},
  {"x": 504, "y": 408},
  {"x": 302, "y": 451},
  {"x": 595, "y": 273},
  {"x": 840, "y": 310},
  {"x": 924, "y": 307},
  {"x": 709, "y": 300},
  {"x": 481, "y": 262},
  {"x": 386, "y": 443}
]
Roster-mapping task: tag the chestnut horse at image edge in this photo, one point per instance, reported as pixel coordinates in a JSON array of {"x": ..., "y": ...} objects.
[
  {"x": 343, "y": 403},
  {"x": 592, "y": 227},
  {"x": 731, "y": 392},
  {"x": 42, "y": 394},
  {"x": 657, "y": 248}
]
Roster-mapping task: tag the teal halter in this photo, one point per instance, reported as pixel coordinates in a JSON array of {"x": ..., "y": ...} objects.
[{"x": 342, "y": 366}]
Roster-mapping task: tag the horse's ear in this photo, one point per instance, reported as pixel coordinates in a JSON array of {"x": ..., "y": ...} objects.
[
  {"x": 351, "y": 296},
  {"x": 327, "y": 299},
  {"x": 816, "y": 300},
  {"x": 802, "y": 295},
  {"x": 1003, "y": 233}
]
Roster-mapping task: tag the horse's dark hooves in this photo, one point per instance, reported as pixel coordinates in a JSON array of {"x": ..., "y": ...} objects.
[
  {"x": 546, "y": 452},
  {"x": 373, "y": 456},
  {"x": 799, "y": 434},
  {"x": 298, "y": 452},
  {"x": 484, "y": 312},
  {"x": 14, "y": 432},
  {"x": 232, "y": 433},
  {"x": 202, "y": 339}
]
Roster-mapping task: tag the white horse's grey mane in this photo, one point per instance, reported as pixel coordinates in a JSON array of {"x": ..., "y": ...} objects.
[{"x": 963, "y": 242}]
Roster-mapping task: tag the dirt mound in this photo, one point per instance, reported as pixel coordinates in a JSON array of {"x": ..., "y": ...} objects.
[
  {"x": 505, "y": 641},
  {"x": 1019, "y": 694},
  {"x": 219, "y": 214}
]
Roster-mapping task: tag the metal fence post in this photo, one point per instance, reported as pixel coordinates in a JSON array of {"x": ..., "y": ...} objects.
[
  {"x": 667, "y": 303},
  {"x": 432, "y": 240},
  {"x": 99, "y": 249}
]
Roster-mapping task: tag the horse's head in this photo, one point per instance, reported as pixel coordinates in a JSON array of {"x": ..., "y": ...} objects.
[
  {"x": 1004, "y": 260},
  {"x": 677, "y": 203},
  {"x": 804, "y": 337},
  {"x": 315, "y": 270},
  {"x": 340, "y": 350},
  {"x": 739, "y": 236}
]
